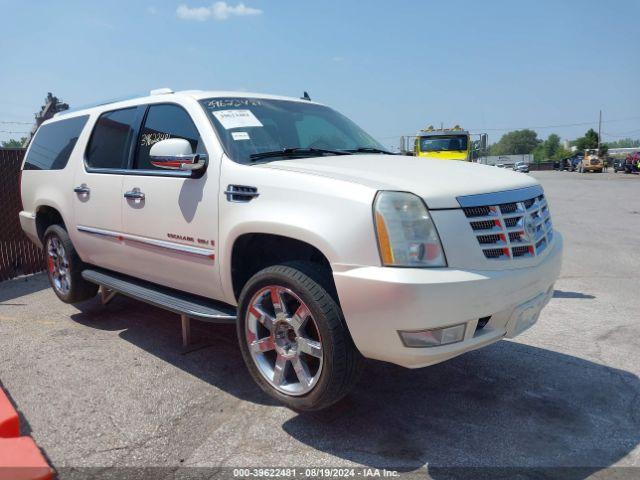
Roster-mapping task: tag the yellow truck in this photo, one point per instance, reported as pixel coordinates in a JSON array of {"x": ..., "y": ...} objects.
[
  {"x": 445, "y": 144},
  {"x": 591, "y": 162}
]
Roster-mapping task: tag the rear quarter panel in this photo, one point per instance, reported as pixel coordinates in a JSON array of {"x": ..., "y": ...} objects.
[{"x": 53, "y": 188}]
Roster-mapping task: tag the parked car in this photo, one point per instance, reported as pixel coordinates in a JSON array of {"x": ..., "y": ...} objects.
[
  {"x": 522, "y": 167},
  {"x": 575, "y": 163},
  {"x": 618, "y": 165},
  {"x": 282, "y": 216},
  {"x": 564, "y": 164}
]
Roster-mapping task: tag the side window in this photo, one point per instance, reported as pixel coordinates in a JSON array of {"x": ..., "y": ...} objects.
[
  {"x": 111, "y": 140},
  {"x": 162, "y": 122},
  {"x": 53, "y": 143}
]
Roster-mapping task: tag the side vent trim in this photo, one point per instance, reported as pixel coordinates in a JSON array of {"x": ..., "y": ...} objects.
[{"x": 241, "y": 193}]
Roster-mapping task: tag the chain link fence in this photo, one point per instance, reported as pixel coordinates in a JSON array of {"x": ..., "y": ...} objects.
[{"x": 18, "y": 255}]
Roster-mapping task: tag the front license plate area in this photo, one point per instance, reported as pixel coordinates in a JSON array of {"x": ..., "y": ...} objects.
[{"x": 525, "y": 315}]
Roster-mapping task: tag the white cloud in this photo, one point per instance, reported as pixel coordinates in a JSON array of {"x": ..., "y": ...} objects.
[
  {"x": 151, "y": 10},
  {"x": 217, "y": 11},
  {"x": 222, "y": 11},
  {"x": 187, "y": 13}
]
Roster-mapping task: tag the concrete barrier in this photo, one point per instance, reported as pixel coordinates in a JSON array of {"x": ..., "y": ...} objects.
[
  {"x": 20, "y": 457},
  {"x": 9, "y": 422}
]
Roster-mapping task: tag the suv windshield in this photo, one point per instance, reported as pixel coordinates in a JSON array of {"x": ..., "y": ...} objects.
[
  {"x": 443, "y": 144},
  {"x": 253, "y": 129}
]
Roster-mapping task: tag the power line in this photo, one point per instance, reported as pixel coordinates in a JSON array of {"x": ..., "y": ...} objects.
[
  {"x": 580, "y": 124},
  {"x": 541, "y": 127},
  {"x": 17, "y": 123},
  {"x": 8, "y": 131},
  {"x": 624, "y": 134}
]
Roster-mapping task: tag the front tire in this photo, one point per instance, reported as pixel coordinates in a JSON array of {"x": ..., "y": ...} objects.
[
  {"x": 64, "y": 267},
  {"x": 293, "y": 337}
]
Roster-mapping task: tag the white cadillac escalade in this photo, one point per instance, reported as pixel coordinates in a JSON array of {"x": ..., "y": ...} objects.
[{"x": 284, "y": 217}]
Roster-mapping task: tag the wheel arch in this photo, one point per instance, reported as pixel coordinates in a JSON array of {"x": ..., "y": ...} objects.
[
  {"x": 251, "y": 250},
  {"x": 47, "y": 215}
]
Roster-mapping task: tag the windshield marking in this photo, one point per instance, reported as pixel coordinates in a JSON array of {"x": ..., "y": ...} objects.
[{"x": 233, "y": 102}]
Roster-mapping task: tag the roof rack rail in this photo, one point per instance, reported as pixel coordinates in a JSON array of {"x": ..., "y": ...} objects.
[
  {"x": 157, "y": 91},
  {"x": 100, "y": 103},
  {"x": 160, "y": 91}
]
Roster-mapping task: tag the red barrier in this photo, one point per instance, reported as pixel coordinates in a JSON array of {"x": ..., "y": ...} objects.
[
  {"x": 9, "y": 422},
  {"x": 21, "y": 459}
]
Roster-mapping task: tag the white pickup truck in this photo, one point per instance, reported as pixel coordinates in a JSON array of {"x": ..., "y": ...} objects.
[{"x": 282, "y": 216}]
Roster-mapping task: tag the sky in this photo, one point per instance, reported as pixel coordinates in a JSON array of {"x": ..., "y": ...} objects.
[{"x": 392, "y": 66}]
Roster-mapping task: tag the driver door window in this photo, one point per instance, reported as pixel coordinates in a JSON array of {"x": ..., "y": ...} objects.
[{"x": 163, "y": 122}]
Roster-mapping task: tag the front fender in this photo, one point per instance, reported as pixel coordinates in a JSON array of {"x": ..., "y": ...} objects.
[
  {"x": 281, "y": 229},
  {"x": 333, "y": 216}
]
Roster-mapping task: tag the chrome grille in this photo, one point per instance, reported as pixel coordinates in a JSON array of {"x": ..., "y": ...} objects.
[{"x": 513, "y": 230}]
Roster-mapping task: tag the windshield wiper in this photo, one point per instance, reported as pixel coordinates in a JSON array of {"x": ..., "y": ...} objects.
[
  {"x": 369, "y": 150},
  {"x": 296, "y": 152}
]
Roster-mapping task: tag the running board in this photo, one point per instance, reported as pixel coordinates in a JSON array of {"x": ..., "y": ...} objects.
[{"x": 186, "y": 304}]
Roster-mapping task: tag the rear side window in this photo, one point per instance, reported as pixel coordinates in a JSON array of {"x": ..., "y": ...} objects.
[
  {"x": 112, "y": 139},
  {"x": 53, "y": 143},
  {"x": 162, "y": 122}
]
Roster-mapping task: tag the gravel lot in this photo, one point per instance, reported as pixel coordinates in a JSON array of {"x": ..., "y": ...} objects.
[{"x": 111, "y": 386}]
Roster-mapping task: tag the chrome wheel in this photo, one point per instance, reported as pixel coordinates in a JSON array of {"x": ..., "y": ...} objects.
[
  {"x": 284, "y": 340},
  {"x": 58, "y": 265}
]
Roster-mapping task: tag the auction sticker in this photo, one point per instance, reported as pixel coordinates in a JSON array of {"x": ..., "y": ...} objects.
[
  {"x": 236, "y": 118},
  {"x": 240, "y": 136}
]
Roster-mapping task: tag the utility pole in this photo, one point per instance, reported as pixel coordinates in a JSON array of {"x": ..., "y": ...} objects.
[{"x": 599, "y": 131}]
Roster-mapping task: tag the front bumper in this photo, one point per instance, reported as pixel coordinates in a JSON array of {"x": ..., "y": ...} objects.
[{"x": 379, "y": 301}]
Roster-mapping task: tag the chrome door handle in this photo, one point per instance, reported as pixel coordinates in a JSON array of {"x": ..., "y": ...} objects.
[
  {"x": 134, "y": 194},
  {"x": 82, "y": 190}
]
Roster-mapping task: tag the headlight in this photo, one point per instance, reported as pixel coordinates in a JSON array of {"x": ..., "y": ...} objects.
[{"x": 406, "y": 234}]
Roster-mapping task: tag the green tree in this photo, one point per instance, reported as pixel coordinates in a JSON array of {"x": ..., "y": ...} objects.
[
  {"x": 518, "y": 142},
  {"x": 13, "y": 143},
  {"x": 539, "y": 154},
  {"x": 604, "y": 149},
  {"x": 589, "y": 141},
  {"x": 562, "y": 153},
  {"x": 624, "y": 143},
  {"x": 551, "y": 145},
  {"x": 550, "y": 149}
]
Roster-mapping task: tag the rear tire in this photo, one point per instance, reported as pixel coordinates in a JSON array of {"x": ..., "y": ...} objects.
[
  {"x": 284, "y": 365},
  {"x": 64, "y": 267}
]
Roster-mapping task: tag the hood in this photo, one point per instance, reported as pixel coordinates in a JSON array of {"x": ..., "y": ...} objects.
[{"x": 437, "y": 182}]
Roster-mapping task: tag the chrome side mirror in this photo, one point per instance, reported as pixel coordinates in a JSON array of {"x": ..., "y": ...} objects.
[{"x": 176, "y": 154}]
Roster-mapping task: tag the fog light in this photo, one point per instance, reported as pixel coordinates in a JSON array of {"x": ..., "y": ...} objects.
[{"x": 434, "y": 337}]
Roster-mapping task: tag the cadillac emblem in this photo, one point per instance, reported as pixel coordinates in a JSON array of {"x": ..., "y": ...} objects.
[{"x": 529, "y": 228}]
